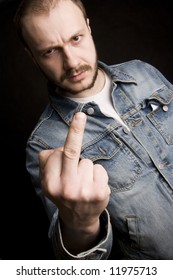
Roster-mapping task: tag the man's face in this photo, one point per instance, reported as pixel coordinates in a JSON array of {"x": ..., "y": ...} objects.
[{"x": 62, "y": 46}]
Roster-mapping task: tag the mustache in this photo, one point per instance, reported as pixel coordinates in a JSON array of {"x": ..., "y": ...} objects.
[{"x": 71, "y": 72}]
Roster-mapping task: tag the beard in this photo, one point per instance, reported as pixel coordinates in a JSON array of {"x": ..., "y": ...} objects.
[
  {"x": 72, "y": 72},
  {"x": 69, "y": 73}
]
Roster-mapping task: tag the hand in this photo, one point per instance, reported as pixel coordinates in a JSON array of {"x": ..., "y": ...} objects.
[{"x": 78, "y": 188}]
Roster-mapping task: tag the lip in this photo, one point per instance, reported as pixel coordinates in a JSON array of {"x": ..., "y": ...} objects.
[{"x": 78, "y": 77}]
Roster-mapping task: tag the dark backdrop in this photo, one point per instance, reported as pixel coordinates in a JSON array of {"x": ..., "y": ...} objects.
[{"x": 123, "y": 30}]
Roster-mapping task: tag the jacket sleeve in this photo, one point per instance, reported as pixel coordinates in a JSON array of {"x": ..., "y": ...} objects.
[{"x": 99, "y": 252}]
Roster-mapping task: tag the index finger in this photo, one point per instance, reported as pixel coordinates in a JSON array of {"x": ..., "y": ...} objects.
[{"x": 72, "y": 147}]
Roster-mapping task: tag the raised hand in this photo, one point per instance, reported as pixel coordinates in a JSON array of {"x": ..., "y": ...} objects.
[{"x": 77, "y": 187}]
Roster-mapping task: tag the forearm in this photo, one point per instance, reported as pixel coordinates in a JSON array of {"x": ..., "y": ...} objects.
[
  {"x": 80, "y": 238},
  {"x": 100, "y": 250}
]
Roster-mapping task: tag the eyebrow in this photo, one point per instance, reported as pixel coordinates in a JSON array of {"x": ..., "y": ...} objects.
[{"x": 42, "y": 50}]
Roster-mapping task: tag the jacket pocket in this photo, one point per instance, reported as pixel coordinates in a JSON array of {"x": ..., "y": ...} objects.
[{"x": 120, "y": 163}]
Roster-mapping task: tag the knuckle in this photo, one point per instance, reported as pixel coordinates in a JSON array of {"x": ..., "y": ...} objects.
[
  {"x": 101, "y": 196},
  {"x": 77, "y": 130},
  {"x": 48, "y": 189},
  {"x": 70, "y": 153},
  {"x": 85, "y": 195},
  {"x": 67, "y": 195},
  {"x": 86, "y": 162},
  {"x": 68, "y": 190},
  {"x": 101, "y": 170},
  {"x": 99, "y": 166}
]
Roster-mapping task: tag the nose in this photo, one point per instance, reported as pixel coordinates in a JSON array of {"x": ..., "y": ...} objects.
[{"x": 70, "y": 58}]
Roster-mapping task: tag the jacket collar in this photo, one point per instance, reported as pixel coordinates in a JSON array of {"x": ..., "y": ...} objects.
[
  {"x": 66, "y": 108},
  {"x": 117, "y": 75}
]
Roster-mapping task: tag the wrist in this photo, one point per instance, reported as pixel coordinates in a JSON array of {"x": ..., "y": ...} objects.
[
  {"x": 81, "y": 226},
  {"x": 80, "y": 237}
]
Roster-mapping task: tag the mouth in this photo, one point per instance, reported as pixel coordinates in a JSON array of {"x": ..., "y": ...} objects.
[{"x": 77, "y": 77}]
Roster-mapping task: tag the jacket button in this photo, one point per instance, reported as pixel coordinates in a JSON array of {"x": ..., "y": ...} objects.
[
  {"x": 126, "y": 130},
  {"x": 165, "y": 108},
  {"x": 90, "y": 111},
  {"x": 163, "y": 165}
]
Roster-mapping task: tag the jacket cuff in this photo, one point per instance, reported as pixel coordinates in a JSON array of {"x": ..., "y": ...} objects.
[{"x": 99, "y": 252}]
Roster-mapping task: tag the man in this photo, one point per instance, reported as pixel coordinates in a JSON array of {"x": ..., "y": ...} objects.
[{"x": 100, "y": 156}]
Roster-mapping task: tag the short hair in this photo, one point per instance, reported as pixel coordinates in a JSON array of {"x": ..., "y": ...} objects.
[{"x": 39, "y": 7}]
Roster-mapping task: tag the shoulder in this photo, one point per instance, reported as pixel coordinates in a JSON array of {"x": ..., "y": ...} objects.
[
  {"x": 139, "y": 71},
  {"x": 133, "y": 70},
  {"x": 134, "y": 66}
]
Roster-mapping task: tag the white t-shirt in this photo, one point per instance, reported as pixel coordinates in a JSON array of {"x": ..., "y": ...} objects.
[{"x": 103, "y": 100}]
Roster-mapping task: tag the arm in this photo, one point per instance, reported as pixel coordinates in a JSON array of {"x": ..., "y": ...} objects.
[{"x": 79, "y": 189}]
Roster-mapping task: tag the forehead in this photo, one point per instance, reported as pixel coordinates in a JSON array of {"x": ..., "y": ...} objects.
[{"x": 61, "y": 23}]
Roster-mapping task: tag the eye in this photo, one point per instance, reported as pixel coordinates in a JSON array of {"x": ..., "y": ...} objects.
[
  {"x": 77, "y": 38},
  {"x": 49, "y": 52}
]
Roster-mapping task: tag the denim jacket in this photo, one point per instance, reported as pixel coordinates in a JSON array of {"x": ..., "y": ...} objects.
[{"x": 138, "y": 221}]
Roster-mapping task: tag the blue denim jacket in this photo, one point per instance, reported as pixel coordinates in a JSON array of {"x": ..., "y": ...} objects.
[{"x": 138, "y": 222}]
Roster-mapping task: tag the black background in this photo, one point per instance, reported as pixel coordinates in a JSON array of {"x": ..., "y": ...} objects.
[{"x": 122, "y": 30}]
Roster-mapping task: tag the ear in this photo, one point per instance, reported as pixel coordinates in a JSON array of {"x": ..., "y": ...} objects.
[{"x": 88, "y": 25}]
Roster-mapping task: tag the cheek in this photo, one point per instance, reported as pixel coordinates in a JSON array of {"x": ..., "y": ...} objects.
[
  {"x": 91, "y": 51},
  {"x": 89, "y": 56},
  {"x": 52, "y": 66}
]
